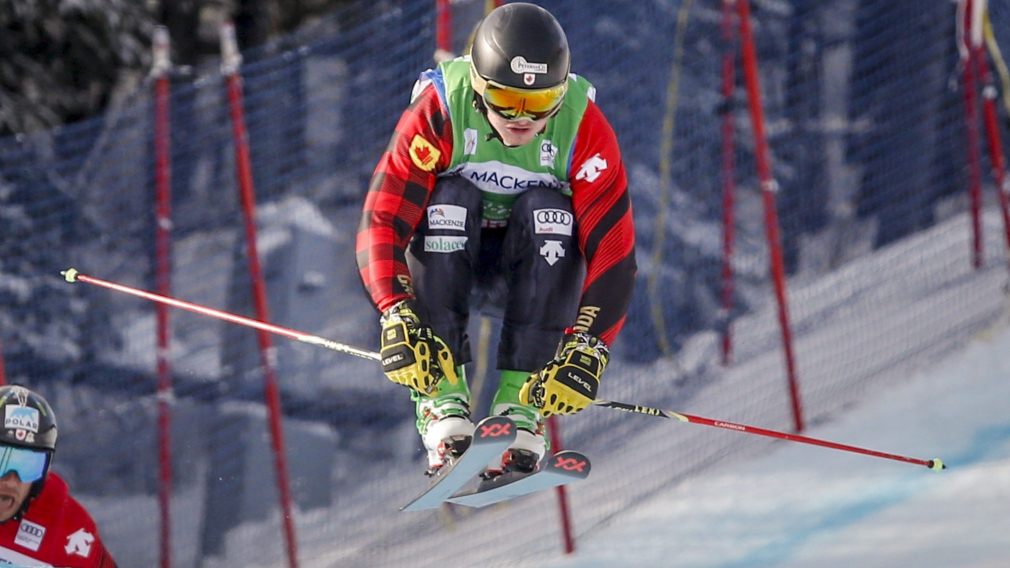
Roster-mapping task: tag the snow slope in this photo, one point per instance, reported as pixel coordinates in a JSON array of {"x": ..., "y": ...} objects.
[{"x": 800, "y": 506}]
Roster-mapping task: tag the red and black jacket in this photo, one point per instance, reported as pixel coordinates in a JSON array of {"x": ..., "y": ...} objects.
[{"x": 400, "y": 189}]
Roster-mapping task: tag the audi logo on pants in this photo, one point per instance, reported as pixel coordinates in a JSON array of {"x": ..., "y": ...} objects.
[
  {"x": 552, "y": 221},
  {"x": 558, "y": 216}
]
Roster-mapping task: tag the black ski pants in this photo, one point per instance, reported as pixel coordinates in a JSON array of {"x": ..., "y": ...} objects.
[{"x": 529, "y": 273}]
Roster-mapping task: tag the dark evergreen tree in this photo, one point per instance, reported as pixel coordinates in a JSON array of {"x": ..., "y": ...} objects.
[{"x": 62, "y": 60}]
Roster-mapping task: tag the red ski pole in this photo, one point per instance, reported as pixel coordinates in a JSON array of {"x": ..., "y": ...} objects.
[
  {"x": 934, "y": 464},
  {"x": 72, "y": 275}
]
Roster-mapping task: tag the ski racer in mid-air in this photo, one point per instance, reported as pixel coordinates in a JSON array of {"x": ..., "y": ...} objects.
[{"x": 502, "y": 185}]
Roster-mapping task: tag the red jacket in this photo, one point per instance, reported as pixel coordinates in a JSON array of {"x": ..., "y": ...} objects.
[{"x": 56, "y": 531}]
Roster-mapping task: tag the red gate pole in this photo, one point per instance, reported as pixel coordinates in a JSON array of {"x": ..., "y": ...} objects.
[
  {"x": 566, "y": 520},
  {"x": 443, "y": 31},
  {"x": 989, "y": 94},
  {"x": 728, "y": 179},
  {"x": 230, "y": 61},
  {"x": 971, "y": 123},
  {"x": 162, "y": 245},
  {"x": 768, "y": 189},
  {"x": 3, "y": 374}
]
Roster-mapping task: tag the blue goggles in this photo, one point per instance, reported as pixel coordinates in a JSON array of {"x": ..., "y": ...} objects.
[{"x": 30, "y": 465}]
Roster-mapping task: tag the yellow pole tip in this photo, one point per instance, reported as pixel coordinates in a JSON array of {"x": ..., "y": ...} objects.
[
  {"x": 937, "y": 465},
  {"x": 70, "y": 274}
]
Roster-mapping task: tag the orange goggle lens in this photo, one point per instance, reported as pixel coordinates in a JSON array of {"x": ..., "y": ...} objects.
[{"x": 514, "y": 104}]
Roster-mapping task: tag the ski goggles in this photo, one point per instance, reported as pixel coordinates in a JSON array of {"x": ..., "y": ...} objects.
[
  {"x": 513, "y": 104},
  {"x": 30, "y": 465}
]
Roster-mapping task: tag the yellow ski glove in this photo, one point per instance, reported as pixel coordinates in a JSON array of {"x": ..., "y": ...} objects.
[
  {"x": 411, "y": 354},
  {"x": 568, "y": 383}
]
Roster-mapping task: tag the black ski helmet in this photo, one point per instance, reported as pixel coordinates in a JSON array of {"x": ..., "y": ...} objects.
[
  {"x": 28, "y": 422},
  {"x": 521, "y": 45},
  {"x": 37, "y": 436}
]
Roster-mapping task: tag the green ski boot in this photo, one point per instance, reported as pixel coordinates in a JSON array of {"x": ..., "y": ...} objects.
[
  {"x": 444, "y": 423},
  {"x": 531, "y": 440}
]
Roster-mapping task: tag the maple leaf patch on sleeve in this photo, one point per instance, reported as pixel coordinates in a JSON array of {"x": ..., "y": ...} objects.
[{"x": 423, "y": 153}]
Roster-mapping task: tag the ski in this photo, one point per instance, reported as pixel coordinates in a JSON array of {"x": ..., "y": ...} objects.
[
  {"x": 491, "y": 438},
  {"x": 562, "y": 468}
]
